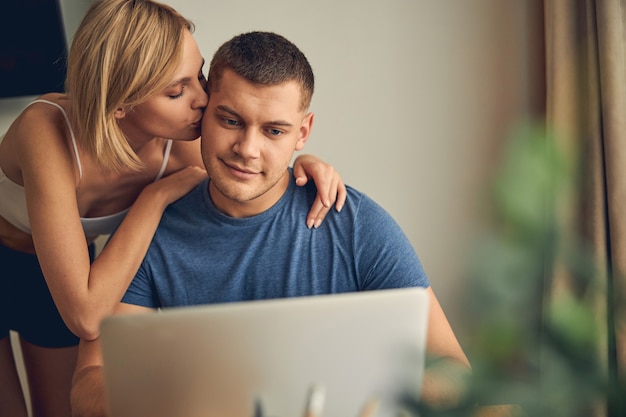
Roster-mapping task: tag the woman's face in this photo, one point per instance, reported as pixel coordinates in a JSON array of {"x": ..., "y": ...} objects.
[{"x": 176, "y": 112}]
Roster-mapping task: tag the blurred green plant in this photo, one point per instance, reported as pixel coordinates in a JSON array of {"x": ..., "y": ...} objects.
[{"x": 533, "y": 344}]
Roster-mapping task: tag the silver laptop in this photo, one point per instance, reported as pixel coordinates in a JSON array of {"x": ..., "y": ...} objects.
[{"x": 267, "y": 358}]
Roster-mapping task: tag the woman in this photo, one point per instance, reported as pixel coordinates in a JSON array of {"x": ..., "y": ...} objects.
[{"x": 109, "y": 155}]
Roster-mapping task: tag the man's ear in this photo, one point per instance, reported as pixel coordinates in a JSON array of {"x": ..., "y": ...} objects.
[{"x": 305, "y": 130}]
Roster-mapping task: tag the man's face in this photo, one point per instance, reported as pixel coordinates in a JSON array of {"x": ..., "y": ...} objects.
[{"x": 249, "y": 134}]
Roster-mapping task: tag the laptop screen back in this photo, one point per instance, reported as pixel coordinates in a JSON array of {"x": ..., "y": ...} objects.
[{"x": 256, "y": 358}]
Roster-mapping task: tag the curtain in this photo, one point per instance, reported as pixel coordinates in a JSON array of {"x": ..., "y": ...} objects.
[{"x": 585, "y": 61}]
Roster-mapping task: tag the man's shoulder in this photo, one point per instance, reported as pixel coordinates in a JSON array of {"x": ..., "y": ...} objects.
[
  {"x": 359, "y": 207},
  {"x": 309, "y": 190},
  {"x": 196, "y": 193},
  {"x": 188, "y": 205}
]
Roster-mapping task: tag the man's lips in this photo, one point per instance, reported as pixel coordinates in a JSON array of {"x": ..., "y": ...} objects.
[{"x": 240, "y": 172}]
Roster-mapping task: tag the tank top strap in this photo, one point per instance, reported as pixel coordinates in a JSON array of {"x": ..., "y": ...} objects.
[
  {"x": 166, "y": 153},
  {"x": 69, "y": 126},
  {"x": 166, "y": 157}
]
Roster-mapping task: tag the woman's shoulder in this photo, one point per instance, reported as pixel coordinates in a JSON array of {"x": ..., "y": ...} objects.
[
  {"x": 59, "y": 98},
  {"x": 49, "y": 100},
  {"x": 36, "y": 138},
  {"x": 41, "y": 121},
  {"x": 48, "y": 109}
]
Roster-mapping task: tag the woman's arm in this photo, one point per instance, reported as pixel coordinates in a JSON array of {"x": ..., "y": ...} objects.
[
  {"x": 330, "y": 186},
  {"x": 87, "y": 395},
  {"x": 83, "y": 292}
]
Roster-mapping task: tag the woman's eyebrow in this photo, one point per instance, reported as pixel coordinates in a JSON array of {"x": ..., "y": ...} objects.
[{"x": 179, "y": 81}]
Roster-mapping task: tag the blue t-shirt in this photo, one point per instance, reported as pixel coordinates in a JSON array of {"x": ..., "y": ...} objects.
[{"x": 200, "y": 256}]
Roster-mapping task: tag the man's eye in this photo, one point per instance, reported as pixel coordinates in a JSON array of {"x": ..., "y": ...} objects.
[
  {"x": 231, "y": 122},
  {"x": 275, "y": 132}
]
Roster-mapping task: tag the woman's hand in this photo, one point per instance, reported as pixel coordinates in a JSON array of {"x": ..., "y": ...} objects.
[
  {"x": 330, "y": 186},
  {"x": 177, "y": 184}
]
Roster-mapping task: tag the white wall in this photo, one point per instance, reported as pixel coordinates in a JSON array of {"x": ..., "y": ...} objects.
[{"x": 412, "y": 99}]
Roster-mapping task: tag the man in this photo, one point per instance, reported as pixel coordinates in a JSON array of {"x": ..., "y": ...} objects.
[{"x": 238, "y": 236}]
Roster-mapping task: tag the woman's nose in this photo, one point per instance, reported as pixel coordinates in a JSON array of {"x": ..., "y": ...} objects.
[{"x": 201, "y": 98}]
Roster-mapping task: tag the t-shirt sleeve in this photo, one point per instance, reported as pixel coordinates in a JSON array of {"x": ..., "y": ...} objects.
[
  {"x": 384, "y": 255},
  {"x": 140, "y": 291}
]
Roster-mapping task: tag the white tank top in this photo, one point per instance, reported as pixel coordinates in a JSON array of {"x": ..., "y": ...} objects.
[{"x": 13, "y": 198}]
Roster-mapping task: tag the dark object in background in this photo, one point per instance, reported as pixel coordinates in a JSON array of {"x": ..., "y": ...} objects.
[{"x": 33, "y": 48}]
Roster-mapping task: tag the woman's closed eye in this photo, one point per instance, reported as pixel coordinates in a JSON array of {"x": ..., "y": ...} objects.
[{"x": 177, "y": 95}]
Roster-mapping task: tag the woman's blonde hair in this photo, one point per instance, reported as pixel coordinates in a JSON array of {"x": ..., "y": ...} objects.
[{"x": 123, "y": 52}]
